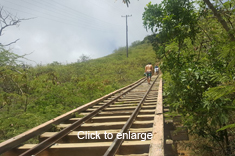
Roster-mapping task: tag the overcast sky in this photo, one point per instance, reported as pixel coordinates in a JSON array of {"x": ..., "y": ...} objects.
[{"x": 63, "y": 30}]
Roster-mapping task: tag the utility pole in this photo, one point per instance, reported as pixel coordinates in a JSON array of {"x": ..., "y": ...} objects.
[{"x": 127, "y": 34}]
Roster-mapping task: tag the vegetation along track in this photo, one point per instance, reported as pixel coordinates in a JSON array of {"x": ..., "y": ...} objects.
[{"x": 120, "y": 123}]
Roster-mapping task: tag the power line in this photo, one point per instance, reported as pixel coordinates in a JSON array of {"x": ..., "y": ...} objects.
[
  {"x": 76, "y": 11},
  {"x": 67, "y": 20},
  {"x": 63, "y": 13},
  {"x": 57, "y": 11}
]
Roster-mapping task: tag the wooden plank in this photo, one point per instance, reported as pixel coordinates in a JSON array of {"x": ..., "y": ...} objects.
[
  {"x": 108, "y": 125},
  {"x": 73, "y": 138},
  {"x": 112, "y": 118},
  {"x": 85, "y": 149},
  {"x": 157, "y": 142}
]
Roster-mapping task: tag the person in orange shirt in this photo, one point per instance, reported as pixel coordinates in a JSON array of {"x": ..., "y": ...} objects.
[{"x": 148, "y": 71}]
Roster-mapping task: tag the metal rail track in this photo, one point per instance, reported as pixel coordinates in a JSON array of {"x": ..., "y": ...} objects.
[
  {"x": 131, "y": 109},
  {"x": 117, "y": 142}
]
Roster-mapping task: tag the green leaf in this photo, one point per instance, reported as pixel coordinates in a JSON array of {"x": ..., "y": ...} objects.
[{"x": 226, "y": 127}]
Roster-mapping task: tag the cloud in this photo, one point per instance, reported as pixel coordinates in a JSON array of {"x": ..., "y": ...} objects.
[{"x": 64, "y": 30}]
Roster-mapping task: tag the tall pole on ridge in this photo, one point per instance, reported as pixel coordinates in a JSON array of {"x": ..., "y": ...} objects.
[{"x": 127, "y": 34}]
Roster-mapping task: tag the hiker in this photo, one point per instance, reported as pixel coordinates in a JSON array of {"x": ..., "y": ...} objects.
[
  {"x": 148, "y": 71},
  {"x": 156, "y": 70}
]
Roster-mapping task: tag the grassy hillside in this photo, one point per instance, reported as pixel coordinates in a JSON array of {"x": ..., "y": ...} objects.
[{"x": 31, "y": 96}]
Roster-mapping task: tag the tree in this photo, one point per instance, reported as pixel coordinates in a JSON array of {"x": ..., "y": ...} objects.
[
  {"x": 198, "y": 63},
  {"x": 83, "y": 58},
  {"x": 127, "y": 2},
  {"x": 8, "y": 20},
  {"x": 219, "y": 17}
]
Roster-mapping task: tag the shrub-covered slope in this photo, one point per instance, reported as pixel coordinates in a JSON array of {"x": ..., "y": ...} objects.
[{"x": 31, "y": 96}]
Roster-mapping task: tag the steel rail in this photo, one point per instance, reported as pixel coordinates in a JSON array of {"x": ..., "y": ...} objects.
[
  {"x": 19, "y": 139},
  {"x": 50, "y": 141},
  {"x": 111, "y": 151}
]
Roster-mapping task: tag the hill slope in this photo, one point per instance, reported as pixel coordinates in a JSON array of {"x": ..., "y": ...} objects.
[{"x": 32, "y": 96}]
